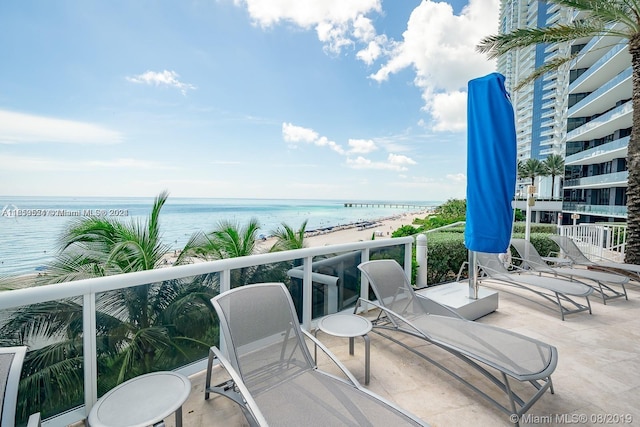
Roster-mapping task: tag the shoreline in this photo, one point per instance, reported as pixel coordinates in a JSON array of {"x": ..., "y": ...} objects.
[{"x": 381, "y": 228}]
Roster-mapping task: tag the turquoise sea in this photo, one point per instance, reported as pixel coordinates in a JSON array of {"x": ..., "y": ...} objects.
[{"x": 30, "y": 226}]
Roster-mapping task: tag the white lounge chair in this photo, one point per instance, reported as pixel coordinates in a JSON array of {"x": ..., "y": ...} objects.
[
  {"x": 532, "y": 259},
  {"x": 562, "y": 290},
  {"x": 483, "y": 347},
  {"x": 274, "y": 378},
  {"x": 573, "y": 252},
  {"x": 11, "y": 359}
]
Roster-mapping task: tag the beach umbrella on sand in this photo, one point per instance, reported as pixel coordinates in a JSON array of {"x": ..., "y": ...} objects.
[{"x": 491, "y": 170}]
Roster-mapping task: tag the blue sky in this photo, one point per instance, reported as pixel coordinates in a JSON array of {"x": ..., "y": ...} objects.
[{"x": 314, "y": 99}]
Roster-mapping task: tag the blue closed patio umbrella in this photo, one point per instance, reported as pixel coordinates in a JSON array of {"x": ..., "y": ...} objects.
[{"x": 491, "y": 169}]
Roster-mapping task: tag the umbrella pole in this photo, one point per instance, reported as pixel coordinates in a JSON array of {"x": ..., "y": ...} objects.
[{"x": 473, "y": 276}]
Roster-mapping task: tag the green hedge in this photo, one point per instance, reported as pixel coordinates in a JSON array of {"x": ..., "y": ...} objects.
[
  {"x": 446, "y": 252},
  {"x": 519, "y": 227}
]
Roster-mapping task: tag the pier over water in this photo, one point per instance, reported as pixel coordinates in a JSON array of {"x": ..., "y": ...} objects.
[{"x": 385, "y": 205}]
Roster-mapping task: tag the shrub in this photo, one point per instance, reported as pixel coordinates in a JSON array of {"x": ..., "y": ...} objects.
[
  {"x": 519, "y": 227},
  {"x": 445, "y": 254}
]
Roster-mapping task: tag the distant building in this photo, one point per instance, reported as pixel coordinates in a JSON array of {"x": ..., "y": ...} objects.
[
  {"x": 581, "y": 111},
  {"x": 598, "y": 128},
  {"x": 540, "y": 107}
]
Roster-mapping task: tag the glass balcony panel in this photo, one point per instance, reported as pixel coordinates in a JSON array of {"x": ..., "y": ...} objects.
[
  {"x": 52, "y": 383},
  {"x": 600, "y": 150},
  {"x": 598, "y": 180},
  {"x": 616, "y": 113},
  {"x": 595, "y": 67},
  {"x": 600, "y": 91},
  {"x": 604, "y": 210}
]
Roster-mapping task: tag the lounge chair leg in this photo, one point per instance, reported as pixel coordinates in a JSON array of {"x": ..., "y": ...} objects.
[
  {"x": 560, "y": 306},
  {"x": 207, "y": 383},
  {"x": 514, "y": 411}
]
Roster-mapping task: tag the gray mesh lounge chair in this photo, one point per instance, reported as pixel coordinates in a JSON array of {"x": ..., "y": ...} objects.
[
  {"x": 535, "y": 262},
  {"x": 11, "y": 359},
  {"x": 485, "y": 348},
  {"x": 562, "y": 290},
  {"x": 573, "y": 252},
  {"x": 273, "y": 376}
]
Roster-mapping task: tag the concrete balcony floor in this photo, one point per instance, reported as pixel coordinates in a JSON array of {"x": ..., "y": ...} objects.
[{"x": 598, "y": 371}]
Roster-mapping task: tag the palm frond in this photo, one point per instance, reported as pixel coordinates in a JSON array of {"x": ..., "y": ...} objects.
[
  {"x": 608, "y": 11},
  {"x": 499, "y": 44},
  {"x": 545, "y": 68}
]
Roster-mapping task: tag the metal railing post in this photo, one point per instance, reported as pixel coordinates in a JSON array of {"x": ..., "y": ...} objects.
[
  {"x": 408, "y": 260},
  {"x": 307, "y": 294},
  {"x": 89, "y": 352}
]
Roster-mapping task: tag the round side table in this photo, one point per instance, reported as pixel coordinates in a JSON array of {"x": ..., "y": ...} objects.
[
  {"x": 348, "y": 326},
  {"x": 142, "y": 401}
]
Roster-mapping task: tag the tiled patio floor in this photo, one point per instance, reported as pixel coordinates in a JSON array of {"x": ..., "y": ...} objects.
[{"x": 598, "y": 373}]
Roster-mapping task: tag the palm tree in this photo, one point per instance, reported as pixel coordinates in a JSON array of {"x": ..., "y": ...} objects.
[
  {"x": 554, "y": 164},
  {"x": 288, "y": 239},
  {"x": 617, "y": 18},
  {"x": 227, "y": 240},
  {"x": 531, "y": 168},
  {"x": 149, "y": 327}
]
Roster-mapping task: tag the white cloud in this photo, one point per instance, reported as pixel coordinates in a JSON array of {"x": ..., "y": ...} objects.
[
  {"x": 400, "y": 160},
  {"x": 394, "y": 163},
  {"x": 164, "y": 78},
  {"x": 293, "y": 133},
  {"x": 369, "y": 54},
  {"x": 458, "y": 177},
  {"x": 19, "y": 128},
  {"x": 440, "y": 47},
  {"x": 449, "y": 111},
  {"x": 338, "y": 23},
  {"x": 361, "y": 146}
]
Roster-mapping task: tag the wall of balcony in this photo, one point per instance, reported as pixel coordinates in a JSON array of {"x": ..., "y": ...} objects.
[
  {"x": 600, "y": 154},
  {"x": 616, "y": 179},
  {"x": 321, "y": 281},
  {"x": 599, "y": 210}
]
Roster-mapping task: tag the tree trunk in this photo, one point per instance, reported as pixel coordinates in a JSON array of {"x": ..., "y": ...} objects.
[
  {"x": 632, "y": 251},
  {"x": 553, "y": 185}
]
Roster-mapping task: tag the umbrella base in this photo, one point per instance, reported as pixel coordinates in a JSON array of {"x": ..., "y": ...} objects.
[{"x": 455, "y": 295}]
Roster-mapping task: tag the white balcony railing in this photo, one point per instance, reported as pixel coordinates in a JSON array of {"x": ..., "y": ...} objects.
[{"x": 89, "y": 288}]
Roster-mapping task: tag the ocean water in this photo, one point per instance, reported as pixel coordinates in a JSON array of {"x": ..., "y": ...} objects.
[{"x": 30, "y": 226}]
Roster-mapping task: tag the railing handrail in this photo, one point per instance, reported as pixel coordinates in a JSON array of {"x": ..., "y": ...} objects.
[{"x": 38, "y": 294}]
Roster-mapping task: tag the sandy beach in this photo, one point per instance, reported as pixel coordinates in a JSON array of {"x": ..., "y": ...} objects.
[{"x": 382, "y": 229}]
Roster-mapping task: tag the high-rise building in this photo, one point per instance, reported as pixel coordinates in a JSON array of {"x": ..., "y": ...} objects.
[
  {"x": 581, "y": 111},
  {"x": 598, "y": 128},
  {"x": 540, "y": 107}
]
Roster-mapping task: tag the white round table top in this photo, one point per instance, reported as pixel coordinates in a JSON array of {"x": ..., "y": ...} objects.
[
  {"x": 141, "y": 401},
  {"x": 345, "y": 325}
]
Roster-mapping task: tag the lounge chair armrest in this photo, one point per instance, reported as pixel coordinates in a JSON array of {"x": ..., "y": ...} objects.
[
  {"x": 392, "y": 315},
  {"x": 333, "y": 358},
  {"x": 34, "y": 420},
  {"x": 250, "y": 405},
  {"x": 464, "y": 264}
]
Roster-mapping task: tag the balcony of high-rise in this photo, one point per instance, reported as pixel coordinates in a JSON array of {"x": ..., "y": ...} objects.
[
  {"x": 605, "y": 180},
  {"x": 620, "y": 117},
  {"x": 614, "y": 211},
  {"x": 614, "y": 61},
  {"x": 601, "y": 153},
  {"x": 619, "y": 87}
]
